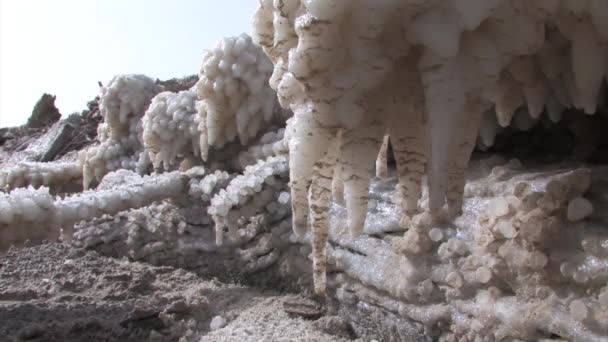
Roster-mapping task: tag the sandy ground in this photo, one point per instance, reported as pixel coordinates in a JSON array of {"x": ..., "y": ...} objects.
[{"x": 54, "y": 292}]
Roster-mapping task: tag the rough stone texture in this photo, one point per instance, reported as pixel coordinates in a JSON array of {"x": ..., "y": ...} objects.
[
  {"x": 165, "y": 234},
  {"x": 176, "y": 85},
  {"x": 56, "y": 293},
  {"x": 265, "y": 320},
  {"x": 67, "y": 130},
  {"x": 45, "y": 113},
  {"x": 7, "y": 133},
  {"x": 53, "y": 292},
  {"x": 75, "y": 132},
  {"x": 56, "y": 140}
]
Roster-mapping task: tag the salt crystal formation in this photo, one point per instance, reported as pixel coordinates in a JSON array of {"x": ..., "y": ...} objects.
[
  {"x": 28, "y": 213},
  {"x": 511, "y": 267},
  {"x": 145, "y": 126},
  {"x": 510, "y": 255},
  {"x": 579, "y": 208},
  {"x": 24, "y": 174},
  {"x": 122, "y": 103},
  {"x": 425, "y": 73},
  {"x": 241, "y": 198},
  {"x": 182, "y": 233},
  {"x": 170, "y": 128},
  {"x": 236, "y": 98}
]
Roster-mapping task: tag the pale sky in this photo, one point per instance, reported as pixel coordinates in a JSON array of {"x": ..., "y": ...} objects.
[{"x": 64, "y": 47}]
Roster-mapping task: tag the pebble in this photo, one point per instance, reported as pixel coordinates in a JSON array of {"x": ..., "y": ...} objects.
[
  {"x": 578, "y": 209},
  {"x": 218, "y": 322},
  {"x": 578, "y": 309}
]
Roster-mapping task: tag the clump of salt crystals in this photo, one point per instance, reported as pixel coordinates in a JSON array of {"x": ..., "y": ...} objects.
[
  {"x": 170, "y": 128},
  {"x": 233, "y": 88},
  {"x": 204, "y": 188},
  {"x": 122, "y": 104},
  {"x": 56, "y": 175},
  {"x": 256, "y": 191},
  {"x": 513, "y": 254}
]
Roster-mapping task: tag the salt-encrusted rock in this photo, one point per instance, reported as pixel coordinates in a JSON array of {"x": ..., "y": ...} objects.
[
  {"x": 28, "y": 213},
  {"x": 460, "y": 276}
]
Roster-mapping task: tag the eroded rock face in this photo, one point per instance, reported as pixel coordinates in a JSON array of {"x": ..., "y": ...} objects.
[
  {"x": 45, "y": 113},
  {"x": 176, "y": 85},
  {"x": 43, "y": 126}
]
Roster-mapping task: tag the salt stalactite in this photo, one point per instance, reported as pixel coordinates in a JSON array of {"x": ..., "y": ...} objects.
[
  {"x": 27, "y": 213},
  {"x": 357, "y": 152},
  {"x": 320, "y": 199},
  {"x": 337, "y": 186},
  {"x": 308, "y": 144},
  {"x": 510, "y": 58},
  {"x": 382, "y": 159},
  {"x": 400, "y": 101},
  {"x": 454, "y": 108},
  {"x": 54, "y": 175},
  {"x": 170, "y": 128},
  {"x": 488, "y": 130},
  {"x": 589, "y": 66},
  {"x": 525, "y": 71},
  {"x": 233, "y": 88},
  {"x": 122, "y": 104}
]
